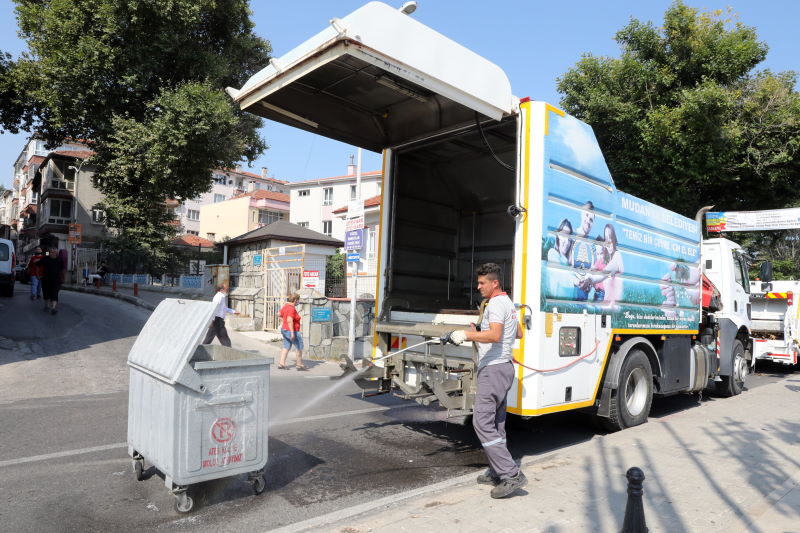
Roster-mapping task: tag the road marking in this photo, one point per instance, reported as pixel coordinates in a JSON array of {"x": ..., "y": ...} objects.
[
  {"x": 67, "y": 453},
  {"x": 121, "y": 445}
]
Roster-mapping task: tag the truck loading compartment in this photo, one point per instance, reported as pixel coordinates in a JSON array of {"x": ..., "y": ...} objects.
[{"x": 449, "y": 201}]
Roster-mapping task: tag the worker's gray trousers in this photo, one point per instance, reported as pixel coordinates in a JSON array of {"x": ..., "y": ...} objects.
[{"x": 489, "y": 417}]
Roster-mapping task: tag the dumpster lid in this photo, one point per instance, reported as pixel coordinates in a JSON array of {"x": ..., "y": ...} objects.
[
  {"x": 170, "y": 337},
  {"x": 377, "y": 78}
]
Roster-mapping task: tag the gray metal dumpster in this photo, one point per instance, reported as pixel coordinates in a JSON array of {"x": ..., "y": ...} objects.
[{"x": 195, "y": 412}]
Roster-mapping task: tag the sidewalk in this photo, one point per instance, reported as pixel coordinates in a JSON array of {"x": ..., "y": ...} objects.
[
  {"x": 725, "y": 465},
  {"x": 260, "y": 341}
]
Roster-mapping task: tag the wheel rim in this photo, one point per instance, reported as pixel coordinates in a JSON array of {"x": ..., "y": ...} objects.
[
  {"x": 636, "y": 391},
  {"x": 739, "y": 370}
]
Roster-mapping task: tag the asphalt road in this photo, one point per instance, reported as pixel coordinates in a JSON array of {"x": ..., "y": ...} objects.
[{"x": 63, "y": 414}]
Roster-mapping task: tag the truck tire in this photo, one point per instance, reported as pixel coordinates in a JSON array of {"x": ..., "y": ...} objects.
[
  {"x": 630, "y": 403},
  {"x": 733, "y": 384}
]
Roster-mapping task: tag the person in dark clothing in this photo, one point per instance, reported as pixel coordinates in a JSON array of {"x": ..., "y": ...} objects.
[{"x": 52, "y": 275}]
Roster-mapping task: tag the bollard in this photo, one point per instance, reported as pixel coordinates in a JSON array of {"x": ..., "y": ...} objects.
[
  {"x": 136, "y": 289},
  {"x": 114, "y": 285},
  {"x": 634, "y": 509}
]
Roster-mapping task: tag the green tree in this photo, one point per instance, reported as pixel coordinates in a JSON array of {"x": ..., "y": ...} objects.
[
  {"x": 685, "y": 121},
  {"x": 143, "y": 81}
]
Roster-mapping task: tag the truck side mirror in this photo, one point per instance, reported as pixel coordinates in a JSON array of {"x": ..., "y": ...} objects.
[{"x": 765, "y": 272}]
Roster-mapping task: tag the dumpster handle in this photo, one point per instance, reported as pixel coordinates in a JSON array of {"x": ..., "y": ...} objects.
[{"x": 226, "y": 400}]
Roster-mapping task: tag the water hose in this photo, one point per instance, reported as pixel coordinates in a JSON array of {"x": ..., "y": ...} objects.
[{"x": 581, "y": 358}]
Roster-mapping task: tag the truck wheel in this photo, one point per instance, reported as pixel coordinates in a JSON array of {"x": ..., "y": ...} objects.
[
  {"x": 630, "y": 403},
  {"x": 733, "y": 384}
]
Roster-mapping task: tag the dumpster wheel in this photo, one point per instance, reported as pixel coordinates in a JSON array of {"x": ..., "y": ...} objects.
[
  {"x": 138, "y": 468},
  {"x": 183, "y": 502},
  {"x": 259, "y": 485}
]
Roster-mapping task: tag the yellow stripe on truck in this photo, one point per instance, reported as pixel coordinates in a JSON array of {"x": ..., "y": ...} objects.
[
  {"x": 526, "y": 110},
  {"x": 781, "y": 295}
]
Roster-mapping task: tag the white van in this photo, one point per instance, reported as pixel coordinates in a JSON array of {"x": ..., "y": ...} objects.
[{"x": 8, "y": 262}]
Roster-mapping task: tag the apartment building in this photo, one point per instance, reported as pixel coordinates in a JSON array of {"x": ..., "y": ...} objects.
[
  {"x": 243, "y": 213},
  {"x": 67, "y": 196},
  {"x": 63, "y": 168},
  {"x": 313, "y": 201},
  {"x": 227, "y": 184}
]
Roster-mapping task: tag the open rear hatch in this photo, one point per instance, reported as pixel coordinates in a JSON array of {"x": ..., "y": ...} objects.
[{"x": 377, "y": 78}]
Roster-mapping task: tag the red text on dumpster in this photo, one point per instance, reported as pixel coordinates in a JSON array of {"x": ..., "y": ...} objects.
[
  {"x": 223, "y": 430},
  {"x": 223, "y": 455}
]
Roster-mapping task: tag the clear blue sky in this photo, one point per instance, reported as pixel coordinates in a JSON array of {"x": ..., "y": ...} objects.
[{"x": 532, "y": 40}]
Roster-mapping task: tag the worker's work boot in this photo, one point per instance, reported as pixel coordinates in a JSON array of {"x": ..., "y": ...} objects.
[
  {"x": 488, "y": 478},
  {"x": 508, "y": 486}
]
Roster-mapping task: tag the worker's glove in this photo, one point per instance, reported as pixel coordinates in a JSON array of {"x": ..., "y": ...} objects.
[{"x": 454, "y": 337}]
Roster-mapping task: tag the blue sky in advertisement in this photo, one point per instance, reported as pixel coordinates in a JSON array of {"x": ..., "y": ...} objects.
[{"x": 533, "y": 41}]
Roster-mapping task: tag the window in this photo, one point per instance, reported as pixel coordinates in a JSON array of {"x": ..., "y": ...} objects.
[
  {"x": 219, "y": 179},
  {"x": 353, "y": 193},
  {"x": 98, "y": 214},
  {"x": 193, "y": 214},
  {"x": 740, "y": 271},
  {"x": 370, "y": 243},
  {"x": 219, "y": 198},
  {"x": 303, "y": 192},
  {"x": 190, "y": 232},
  {"x": 211, "y": 236},
  {"x": 327, "y": 227},
  {"x": 59, "y": 211},
  {"x": 268, "y": 217},
  {"x": 303, "y": 224},
  {"x": 327, "y": 196}
]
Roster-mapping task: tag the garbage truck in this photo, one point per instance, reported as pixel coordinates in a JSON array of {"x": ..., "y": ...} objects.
[
  {"x": 621, "y": 299},
  {"x": 775, "y": 317}
]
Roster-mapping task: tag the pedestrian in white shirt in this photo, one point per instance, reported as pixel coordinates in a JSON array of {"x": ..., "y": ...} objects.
[{"x": 217, "y": 327}]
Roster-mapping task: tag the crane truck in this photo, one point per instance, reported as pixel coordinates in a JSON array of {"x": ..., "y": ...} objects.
[{"x": 621, "y": 299}]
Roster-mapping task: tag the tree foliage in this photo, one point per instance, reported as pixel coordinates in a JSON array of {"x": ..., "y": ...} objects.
[
  {"x": 684, "y": 120},
  {"x": 143, "y": 81}
]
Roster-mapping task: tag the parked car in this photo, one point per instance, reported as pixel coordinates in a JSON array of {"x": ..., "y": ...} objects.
[
  {"x": 8, "y": 263},
  {"x": 22, "y": 273}
]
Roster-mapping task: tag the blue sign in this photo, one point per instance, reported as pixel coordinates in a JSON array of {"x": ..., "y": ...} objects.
[
  {"x": 354, "y": 240},
  {"x": 257, "y": 260},
  {"x": 353, "y": 257},
  {"x": 320, "y": 314}
]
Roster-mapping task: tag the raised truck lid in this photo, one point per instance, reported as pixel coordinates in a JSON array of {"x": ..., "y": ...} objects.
[
  {"x": 377, "y": 78},
  {"x": 169, "y": 339}
]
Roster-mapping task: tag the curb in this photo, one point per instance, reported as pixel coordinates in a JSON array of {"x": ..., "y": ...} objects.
[{"x": 124, "y": 297}]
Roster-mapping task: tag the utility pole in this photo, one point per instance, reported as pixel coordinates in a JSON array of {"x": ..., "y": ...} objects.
[{"x": 351, "y": 336}]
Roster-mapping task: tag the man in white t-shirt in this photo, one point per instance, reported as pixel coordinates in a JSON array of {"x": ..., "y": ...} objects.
[
  {"x": 499, "y": 328},
  {"x": 217, "y": 327}
]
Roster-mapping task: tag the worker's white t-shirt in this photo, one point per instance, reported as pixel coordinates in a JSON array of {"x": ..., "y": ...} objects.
[
  {"x": 222, "y": 309},
  {"x": 500, "y": 309}
]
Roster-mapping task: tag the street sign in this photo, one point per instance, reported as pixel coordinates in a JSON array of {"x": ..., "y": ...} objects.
[
  {"x": 354, "y": 239},
  {"x": 74, "y": 234},
  {"x": 257, "y": 260},
  {"x": 320, "y": 314},
  {"x": 355, "y": 209},
  {"x": 353, "y": 257},
  {"x": 354, "y": 223},
  {"x": 310, "y": 279}
]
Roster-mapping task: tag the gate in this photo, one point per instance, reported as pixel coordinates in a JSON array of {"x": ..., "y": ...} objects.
[
  {"x": 283, "y": 273},
  {"x": 87, "y": 261}
]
